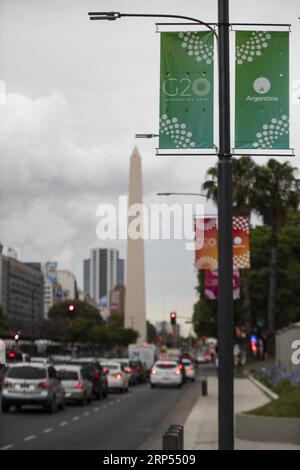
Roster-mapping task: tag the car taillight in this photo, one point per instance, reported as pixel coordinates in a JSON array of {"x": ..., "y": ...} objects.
[
  {"x": 128, "y": 370},
  {"x": 105, "y": 369},
  {"x": 118, "y": 376},
  {"x": 191, "y": 369},
  {"x": 153, "y": 371},
  {"x": 178, "y": 372},
  {"x": 6, "y": 384},
  {"x": 97, "y": 374},
  {"x": 138, "y": 369},
  {"x": 79, "y": 386},
  {"x": 44, "y": 385},
  {"x": 180, "y": 366}
]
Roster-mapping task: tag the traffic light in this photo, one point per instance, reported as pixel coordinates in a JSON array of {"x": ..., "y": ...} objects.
[
  {"x": 16, "y": 337},
  {"x": 71, "y": 308},
  {"x": 173, "y": 318}
]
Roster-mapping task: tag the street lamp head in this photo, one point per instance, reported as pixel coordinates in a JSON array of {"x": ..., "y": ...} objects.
[
  {"x": 104, "y": 15},
  {"x": 145, "y": 136}
]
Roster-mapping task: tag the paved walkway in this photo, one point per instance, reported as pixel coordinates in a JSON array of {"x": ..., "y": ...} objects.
[{"x": 201, "y": 427}]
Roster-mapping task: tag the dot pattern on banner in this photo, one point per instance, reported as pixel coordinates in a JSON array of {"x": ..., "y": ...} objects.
[
  {"x": 210, "y": 224},
  {"x": 241, "y": 223},
  {"x": 176, "y": 131},
  {"x": 252, "y": 48},
  {"x": 241, "y": 261},
  {"x": 271, "y": 132},
  {"x": 196, "y": 48}
]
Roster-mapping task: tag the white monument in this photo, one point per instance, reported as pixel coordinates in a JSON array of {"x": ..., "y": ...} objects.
[{"x": 135, "y": 309}]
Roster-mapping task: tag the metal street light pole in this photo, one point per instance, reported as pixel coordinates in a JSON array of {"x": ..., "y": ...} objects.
[{"x": 225, "y": 301}]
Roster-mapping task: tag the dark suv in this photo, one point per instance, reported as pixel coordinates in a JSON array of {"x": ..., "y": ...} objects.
[
  {"x": 95, "y": 373},
  {"x": 139, "y": 371}
]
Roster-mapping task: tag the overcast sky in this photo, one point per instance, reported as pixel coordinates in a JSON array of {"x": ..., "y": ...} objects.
[{"x": 77, "y": 92}]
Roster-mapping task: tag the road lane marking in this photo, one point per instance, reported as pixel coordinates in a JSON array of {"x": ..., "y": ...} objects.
[
  {"x": 104, "y": 406},
  {"x": 96, "y": 410},
  {"x": 86, "y": 413},
  {"x": 29, "y": 438},
  {"x": 63, "y": 423},
  {"x": 9, "y": 446},
  {"x": 118, "y": 400},
  {"x": 47, "y": 430},
  {"x": 76, "y": 418}
]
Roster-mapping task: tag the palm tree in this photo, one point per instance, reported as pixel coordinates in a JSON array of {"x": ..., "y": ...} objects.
[
  {"x": 243, "y": 188},
  {"x": 276, "y": 192}
]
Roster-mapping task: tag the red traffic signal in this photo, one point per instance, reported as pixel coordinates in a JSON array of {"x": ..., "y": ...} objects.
[
  {"x": 173, "y": 318},
  {"x": 71, "y": 308}
]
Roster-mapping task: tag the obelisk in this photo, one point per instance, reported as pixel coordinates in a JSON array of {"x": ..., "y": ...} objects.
[{"x": 135, "y": 306}]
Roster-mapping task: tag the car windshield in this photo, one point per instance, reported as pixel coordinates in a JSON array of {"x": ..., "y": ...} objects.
[
  {"x": 26, "y": 372},
  {"x": 186, "y": 362},
  {"x": 67, "y": 374},
  {"x": 166, "y": 365}
]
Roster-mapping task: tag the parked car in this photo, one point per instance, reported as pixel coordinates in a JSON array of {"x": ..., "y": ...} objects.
[
  {"x": 32, "y": 384},
  {"x": 77, "y": 387},
  {"x": 116, "y": 376},
  {"x": 139, "y": 371},
  {"x": 189, "y": 368},
  {"x": 166, "y": 373},
  {"x": 95, "y": 373}
]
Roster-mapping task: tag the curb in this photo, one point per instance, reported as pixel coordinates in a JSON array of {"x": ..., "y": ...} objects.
[{"x": 269, "y": 393}]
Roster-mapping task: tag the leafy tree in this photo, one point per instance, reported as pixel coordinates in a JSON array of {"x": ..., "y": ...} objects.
[
  {"x": 151, "y": 332},
  {"x": 81, "y": 309},
  {"x": 277, "y": 191}
]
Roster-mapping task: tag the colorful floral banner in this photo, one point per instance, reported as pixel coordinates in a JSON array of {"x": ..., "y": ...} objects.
[
  {"x": 206, "y": 254},
  {"x": 211, "y": 284}
]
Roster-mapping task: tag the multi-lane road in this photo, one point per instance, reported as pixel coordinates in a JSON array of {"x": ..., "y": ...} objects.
[{"x": 123, "y": 421}]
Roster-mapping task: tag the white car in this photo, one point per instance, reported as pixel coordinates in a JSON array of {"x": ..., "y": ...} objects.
[
  {"x": 117, "y": 378},
  {"x": 189, "y": 368},
  {"x": 166, "y": 372},
  {"x": 77, "y": 387},
  {"x": 39, "y": 360},
  {"x": 126, "y": 363}
]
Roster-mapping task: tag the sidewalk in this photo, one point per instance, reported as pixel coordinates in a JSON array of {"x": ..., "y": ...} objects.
[{"x": 201, "y": 427}]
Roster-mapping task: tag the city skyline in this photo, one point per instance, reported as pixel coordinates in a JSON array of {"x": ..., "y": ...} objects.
[{"x": 78, "y": 130}]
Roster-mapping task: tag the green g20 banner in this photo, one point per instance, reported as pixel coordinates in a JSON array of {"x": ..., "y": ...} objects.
[
  {"x": 186, "y": 90},
  {"x": 262, "y": 90}
]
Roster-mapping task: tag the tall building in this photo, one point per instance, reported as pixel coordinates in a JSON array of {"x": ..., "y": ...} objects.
[
  {"x": 22, "y": 294},
  {"x": 86, "y": 276},
  {"x": 121, "y": 272},
  {"x": 117, "y": 299},
  {"x": 102, "y": 274},
  {"x": 67, "y": 282},
  {"x": 135, "y": 304}
]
